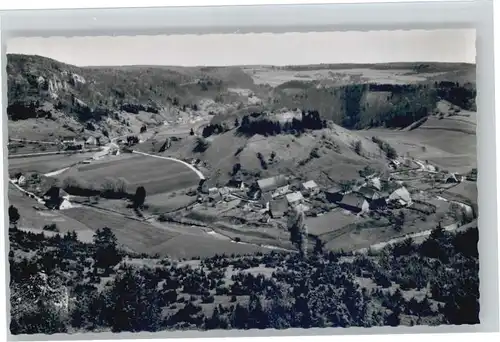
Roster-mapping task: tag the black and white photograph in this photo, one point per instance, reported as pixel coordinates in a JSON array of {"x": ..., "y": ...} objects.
[{"x": 242, "y": 181}]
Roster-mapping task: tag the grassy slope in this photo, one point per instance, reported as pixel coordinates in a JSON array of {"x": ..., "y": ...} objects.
[{"x": 336, "y": 156}]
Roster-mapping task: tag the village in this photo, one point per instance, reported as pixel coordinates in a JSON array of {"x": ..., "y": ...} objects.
[{"x": 411, "y": 191}]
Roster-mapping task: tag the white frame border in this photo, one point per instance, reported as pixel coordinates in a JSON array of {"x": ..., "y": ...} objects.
[{"x": 292, "y": 18}]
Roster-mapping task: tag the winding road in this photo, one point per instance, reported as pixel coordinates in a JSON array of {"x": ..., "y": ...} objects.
[{"x": 195, "y": 170}]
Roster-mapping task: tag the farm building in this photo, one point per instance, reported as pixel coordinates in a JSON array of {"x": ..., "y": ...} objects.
[
  {"x": 19, "y": 179},
  {"x": 278, "y": 208},
  {"x": 236, "y": 183},
  {"x": 294, "y": 198},
  {"x": 452, "y": 178},
  {"x": 56, "y": 198},
  {"x": 378, "y": 203},
  {"x": 354, "y": 202},
  {"x": 334, "y": 194},
  {"x": 376, "y": 183},
  {"x": 472, "y": 175},
  {"x": 281, "y": 191},
  {"x": 272, "y": 183},
  {"x": 395, "y": 164},
  {"x": 91, "y": 141},
  {"x": 213, "y": 191},
  {"x": 369, "y": 193},
  {"x": 302, "y": 208},
  {"x": 401, "y": 196},
  {"x": 310, "y": 187}
]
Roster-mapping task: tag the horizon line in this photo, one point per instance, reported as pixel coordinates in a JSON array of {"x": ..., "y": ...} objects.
[{"x": 242, "y": 65}]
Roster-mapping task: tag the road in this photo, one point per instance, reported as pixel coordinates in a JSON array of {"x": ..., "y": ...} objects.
[{"x": 195, "y": 170}]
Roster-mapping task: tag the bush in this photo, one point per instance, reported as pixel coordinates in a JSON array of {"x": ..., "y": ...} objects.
[
  {"x": 51, "y": 227},
  {"x": 358, "y": 147}
]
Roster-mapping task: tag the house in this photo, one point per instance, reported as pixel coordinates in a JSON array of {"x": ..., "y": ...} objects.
[
  {"x": 395, "y": 164},
  {"x": 21, "y": 181},
  {"x": 272, "y": 183},
  {"x": 281, "y": 191},
  {"x": 334, "y": 194},
  {"x": 375, "y": 182},
  {"x": 302, "y": 207},
  {"x": 19, "y": 178},
  {"x": 354, "y": 202},
  {"x": 294, "y": 198},
  {"x": 236, "y": 183},
  {"x": 368, "y": 193},
  {"x": 278, "y": 208},
  {"x": 91, "y": 141},
  {"x": 401, "y": 196},
  {"x": 378, "y": 203},
  {"x": 310, "y": 187},
  {"x": 452, "y": 178},
  {"x": 56, "y": 198}
]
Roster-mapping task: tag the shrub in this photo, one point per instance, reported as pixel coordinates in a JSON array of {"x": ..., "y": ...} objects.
[
  {"x": 357, "y": 147},
  {"x": 51, "y": 227}
]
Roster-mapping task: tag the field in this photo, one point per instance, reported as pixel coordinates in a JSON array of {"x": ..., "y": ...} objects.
[
  {"x": 156, "y": 175},
  {"x": 38, "y": 129},
  {"x": 137, "y": 236},
  {"x": 45, "y": 164},
  {"x": 265, "y": 75},
  {"x": 175, "y": 241},
  {"x": 465, "y": 191},
  {"x": 331, "y": 221}
]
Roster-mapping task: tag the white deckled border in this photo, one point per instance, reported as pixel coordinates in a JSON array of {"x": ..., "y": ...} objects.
[{"x": 134, "y": 21}]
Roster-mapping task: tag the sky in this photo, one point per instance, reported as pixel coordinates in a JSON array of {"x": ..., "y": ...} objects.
[{"x": 457, "y": 45}]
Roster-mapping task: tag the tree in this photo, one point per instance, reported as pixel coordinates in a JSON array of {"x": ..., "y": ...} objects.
[
  {"x": 106, "y": 253},
  {"x": 399, "y": 221},
  {"x": 139, "y": 197},
  {"x": 236, "y": 169},
  {"x": 358, "y": 147},
  {"x": 318, "y": 246},
  {"x": 13, "y": 215},
  {"x": 298, "y": 230},
  {"x": 134, "y": 303},
  {"x": 201, "y": 145}
]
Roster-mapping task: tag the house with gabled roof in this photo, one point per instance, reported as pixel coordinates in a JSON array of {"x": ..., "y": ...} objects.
[
  {"x": 400, "y": 196},
  {"x": 294, "y": 198},
  {"x": 56, "y": 198},
  {"x": 334, "y": 194},
  {"x": 278, "y": 208},
  {"x": 310, "y": 187},
  {"x": 354, "y": 202},
  {"x": 369, "y": 193},
  {"x": 272, "y": 183}
]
